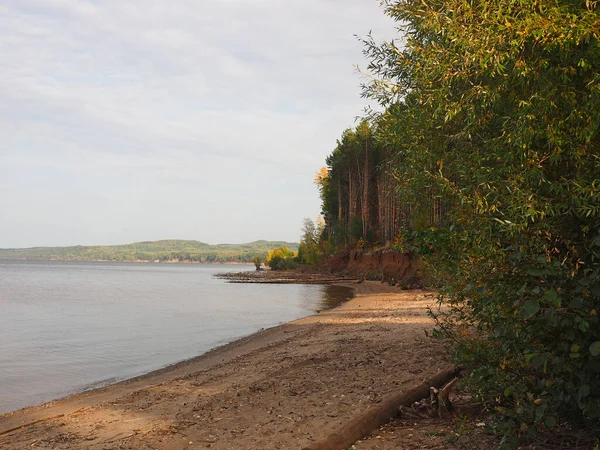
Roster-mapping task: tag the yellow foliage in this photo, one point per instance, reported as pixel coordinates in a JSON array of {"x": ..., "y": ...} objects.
[{"x": 321, "y": 175}]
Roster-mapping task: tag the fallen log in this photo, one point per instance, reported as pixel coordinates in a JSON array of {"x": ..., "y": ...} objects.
[{"x": 379, "y": 415}]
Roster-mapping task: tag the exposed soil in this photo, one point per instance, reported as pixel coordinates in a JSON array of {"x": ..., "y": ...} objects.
[
  {"x": 281, "y": 388},
  {"x": 384, "y": 264}
]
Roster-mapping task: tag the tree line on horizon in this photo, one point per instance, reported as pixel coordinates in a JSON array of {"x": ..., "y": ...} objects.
[
  {"x": 483, "y": 161},
  {"x": 161, "y": 251}
]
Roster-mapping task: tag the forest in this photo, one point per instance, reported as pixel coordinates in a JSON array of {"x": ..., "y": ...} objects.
[
  {"x": 161, "y": 251},
  {"x": 481, "y": 158}
]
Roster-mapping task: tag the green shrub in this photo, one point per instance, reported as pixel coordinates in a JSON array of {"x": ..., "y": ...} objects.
[
  {"x": 280, "y": 258},
  {"x": 493, "y": 107}
]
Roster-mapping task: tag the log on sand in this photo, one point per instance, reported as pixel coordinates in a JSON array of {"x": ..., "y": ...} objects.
[{"x": 380, "y": 414}]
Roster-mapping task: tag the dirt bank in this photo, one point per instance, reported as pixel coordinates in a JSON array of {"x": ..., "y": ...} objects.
[
  {"x": 281, "y": 388},
  {"x": 384, "y": 264}
]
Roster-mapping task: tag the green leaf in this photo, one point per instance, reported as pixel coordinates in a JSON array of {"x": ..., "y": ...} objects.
[
  {"x": 584, "y": 391},
  {"x": 577, "y": 303},
  {"x": 534, "y": 271},
  {"x": 537, "y": 362},
  {"x": 531, "y": 307},
  {"x": 552, "y": 297},
  {"x": 550, "y": 421},
  {"x": 595, "y": 348}
]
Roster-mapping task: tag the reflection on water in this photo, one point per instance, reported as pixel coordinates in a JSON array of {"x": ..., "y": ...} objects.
[
  {"x": 333, "y": 296},
  {"x": 65, "y": 326}
]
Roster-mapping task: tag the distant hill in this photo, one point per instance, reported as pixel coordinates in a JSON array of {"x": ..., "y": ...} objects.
[{"x": 163, "y": 251}]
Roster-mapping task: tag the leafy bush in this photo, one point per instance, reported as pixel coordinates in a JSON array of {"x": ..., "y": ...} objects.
[
  {"x": 281, "y": 258},
  {"x": 493, "y": 109}
]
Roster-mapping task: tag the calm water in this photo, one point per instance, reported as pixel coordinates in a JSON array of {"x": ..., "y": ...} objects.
[{"x": 67, "y": 326}]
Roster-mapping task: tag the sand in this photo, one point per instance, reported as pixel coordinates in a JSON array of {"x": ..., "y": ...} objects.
[{"x": 284, "y": 387}]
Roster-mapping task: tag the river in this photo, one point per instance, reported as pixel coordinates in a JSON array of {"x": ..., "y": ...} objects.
[{"x": 66, "y": 327}]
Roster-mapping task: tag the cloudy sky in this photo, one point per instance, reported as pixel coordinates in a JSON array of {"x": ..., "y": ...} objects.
[{"x": 123, "y": 121}]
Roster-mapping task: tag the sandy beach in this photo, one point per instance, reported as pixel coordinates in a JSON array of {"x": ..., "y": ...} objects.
[{"x": 284, "y": 387}]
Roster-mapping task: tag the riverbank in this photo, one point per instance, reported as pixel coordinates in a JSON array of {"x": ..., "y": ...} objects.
[
  {"x": 284, "y": 387},
  {"x": 287, "y": 277}
]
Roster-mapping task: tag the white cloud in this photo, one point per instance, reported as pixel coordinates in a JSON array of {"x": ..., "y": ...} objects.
[{"x": 125, "y": 115}]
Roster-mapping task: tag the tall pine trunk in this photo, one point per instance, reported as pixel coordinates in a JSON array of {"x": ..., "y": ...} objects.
[{"x": 365, "y": 202}]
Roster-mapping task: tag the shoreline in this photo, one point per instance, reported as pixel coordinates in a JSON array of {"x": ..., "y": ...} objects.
[
  {"x": 134, "y": 261},
  {"x": 305, "y": 342},
  {"x": 98, "y": 388},
  {"x": 194, "y": 359}
]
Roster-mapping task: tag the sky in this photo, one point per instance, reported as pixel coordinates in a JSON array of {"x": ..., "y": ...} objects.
[{"x": 125, "y": 121}]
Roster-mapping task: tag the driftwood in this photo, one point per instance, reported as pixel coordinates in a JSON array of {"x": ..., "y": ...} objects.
[
  {"x": 379, "y": 415},
  {"x": 438, "y": 404}
]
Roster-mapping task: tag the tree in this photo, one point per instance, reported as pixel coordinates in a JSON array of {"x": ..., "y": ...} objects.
[
  {"x": 310, "y": 250},
  {"x": 280, "y": 258},
  {"x": 357, "y": 191},
  {"x": 492, "y": 109}
]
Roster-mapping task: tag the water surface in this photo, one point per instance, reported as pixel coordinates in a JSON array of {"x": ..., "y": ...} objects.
[{"x": 69, "y": 326}]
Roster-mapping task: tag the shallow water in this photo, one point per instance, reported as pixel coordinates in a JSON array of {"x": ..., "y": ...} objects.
[{"x": 69, "y": 326}]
